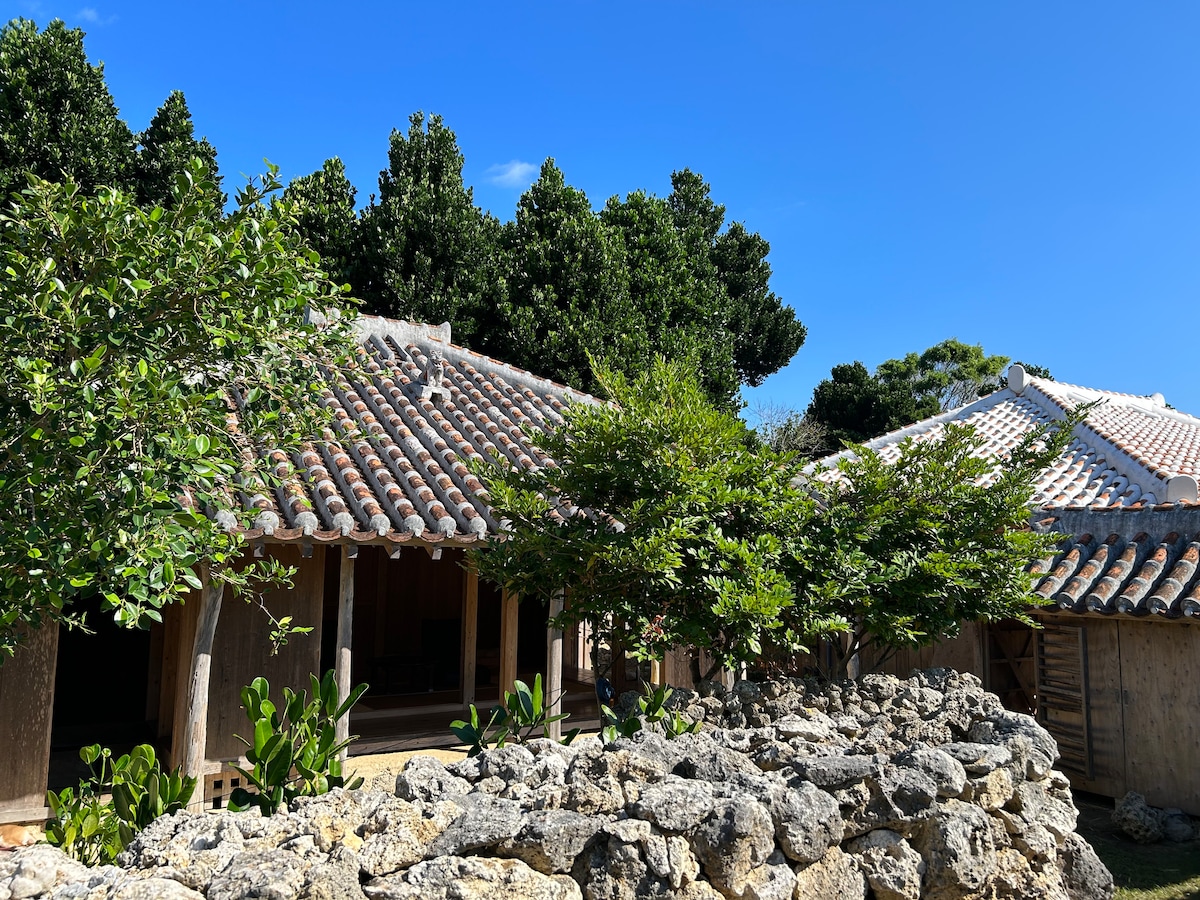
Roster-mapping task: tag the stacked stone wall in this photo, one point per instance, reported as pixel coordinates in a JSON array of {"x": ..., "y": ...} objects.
[{"x": 886, "y": 788}]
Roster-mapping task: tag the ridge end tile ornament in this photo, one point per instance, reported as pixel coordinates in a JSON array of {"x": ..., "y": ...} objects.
[{"x": 433, "y": 373}]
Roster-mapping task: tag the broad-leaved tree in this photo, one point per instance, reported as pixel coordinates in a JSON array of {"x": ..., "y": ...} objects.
[
  {"x": 139, "y": 350},
  {"x": 664, "y": 520}
]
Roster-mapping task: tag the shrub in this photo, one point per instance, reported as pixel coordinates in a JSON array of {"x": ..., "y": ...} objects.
[
  {"x": 523, "y": 714},
  {"x": 296, "y": 754},
  {"x": 94, "y": 830},
  {"x": 651, "y": 710}
]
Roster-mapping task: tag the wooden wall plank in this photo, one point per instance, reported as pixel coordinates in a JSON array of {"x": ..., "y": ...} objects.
[
  {"x": 470, "y": 634},
  {"x": 26, "y": 707},
  {"x": 242, "y": 650},
  {"x": 1107, "y": 719},
  {"x": 677, "y": 667},
  {"x": 172, "y": 616},
  {"x": 963, "y": 654},
  {"x": 1160, "y": 673}
]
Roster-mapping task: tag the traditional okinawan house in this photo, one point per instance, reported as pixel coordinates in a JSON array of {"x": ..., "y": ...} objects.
[
  {"x": 1114, "y": 671},
  {"x": 375, "y": 518}
]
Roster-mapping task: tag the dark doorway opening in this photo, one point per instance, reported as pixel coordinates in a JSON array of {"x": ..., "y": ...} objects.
[
  {"x": 407, "y": 633},
  {"x": 106, "y": 688}
]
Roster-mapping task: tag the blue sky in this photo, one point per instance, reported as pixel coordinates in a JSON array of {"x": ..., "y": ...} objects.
[{"x": 1021, "y": 175}]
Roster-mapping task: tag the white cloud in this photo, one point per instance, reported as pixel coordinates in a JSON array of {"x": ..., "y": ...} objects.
[
  {"x": 92, "y": 17},
  {"x": 511, "y": 174}
]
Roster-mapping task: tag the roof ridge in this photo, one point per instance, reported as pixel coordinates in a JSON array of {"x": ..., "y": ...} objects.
[
  {"x": 1175, "y": 485},
  {"x": 917, "y": 428},
  {"x": 405, "y": 331}
]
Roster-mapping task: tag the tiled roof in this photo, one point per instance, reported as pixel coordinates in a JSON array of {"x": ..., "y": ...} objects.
[
  {"x": 1130, "y": 452},
  {"x": 391, "y": 467},
  {"x": 1123, "y": 494},
  {"x": 1113, "y": 562}
]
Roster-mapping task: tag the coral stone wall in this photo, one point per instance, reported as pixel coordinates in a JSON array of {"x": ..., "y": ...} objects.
[{"x": 892, "y": 789}]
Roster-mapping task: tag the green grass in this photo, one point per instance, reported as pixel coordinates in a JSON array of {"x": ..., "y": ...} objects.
[{"x": 1162, "y": 871}]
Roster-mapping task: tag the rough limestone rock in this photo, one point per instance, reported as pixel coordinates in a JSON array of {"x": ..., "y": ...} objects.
[
  {"x": 1138, "y": 819},
  {"x": 471, "y": 878},
  {"x": 1178, "y": 826},
  {"x": 887, "y": 788},
  {"x": 893, "y": 869},
  {"x": 1084, "y": 876},
  {"x": 484, "y": 822},
  {"x": 396, "y": 835},
  {"x": 551, "y": 840},
  {"x": 736, "y": 838},
  {"x": 947, "y": 772},
  {"x": 807, "y": 821},
  {"x": 33, "y": 871},
  {"x": 425, "y": 778},
  {"x": 675, "y": 804},
  {"x": 958, "y": 850},
  {"x": 834, "y": 875},
  {"x": 261, "y": 873},
  {"x": 627, "y": 862}
]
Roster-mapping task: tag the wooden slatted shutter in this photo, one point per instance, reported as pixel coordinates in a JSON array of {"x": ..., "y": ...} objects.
[{"x": 1063, "y": 703}]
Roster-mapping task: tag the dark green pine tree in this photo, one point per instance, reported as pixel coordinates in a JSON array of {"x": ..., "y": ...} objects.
[
  {"x": 568, "y": 288},
  {"x": 166, "y": 148},
  {"x": 763, "y": 333},
  {"x": 323, "y": 207},
  {"x": 57, "y": 117},
  {"x": 428, "y": 253},
  {"x": 681, "y": 304}
]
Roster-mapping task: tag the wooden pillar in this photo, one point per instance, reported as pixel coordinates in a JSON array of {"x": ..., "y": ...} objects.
[
  {"x": 26, "y": 715},
  {"x": 508, "y": 641},
  {"x": 470, "y": 634},
  {"x": 195, "y": 740},
  {"x": 554, "y": 667},
  {"x": 341, "y": 666}
]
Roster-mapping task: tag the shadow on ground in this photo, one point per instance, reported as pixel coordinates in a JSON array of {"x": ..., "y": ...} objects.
[{"x": 1164, "y": 871}]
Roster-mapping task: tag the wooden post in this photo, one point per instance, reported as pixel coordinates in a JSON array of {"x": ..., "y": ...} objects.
[
  {"x": 341, "y": 667},
  {"x": 470, "y": 635},
  {"x": 508, "y": 641},
  {"x": 195, "y": 740},
  {"x": 554, "y": 667},
  {"x": 656, "y": 672}
]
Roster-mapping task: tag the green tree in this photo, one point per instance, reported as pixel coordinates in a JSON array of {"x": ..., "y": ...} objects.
[
  {"x": 684, "y": 315},
  {"x": 852, "y": 406},
  {"x": 766, "y": 334},
  {"x": 567, "y": 288},
  {"x": 855, "y": 405},
  {"x": 57, "y": 118},
  {"x": 126, "y": 336},
  {"x": 427, "y": 250},
  {"x": 323, "y": 206},
  {"x": 946, "y": 376},
  {"x": 905, "y": 551},
  {"x": 664, "y": 519},
  {"x": 763, "y": 333},
  {"x": 167, "y": 148}
]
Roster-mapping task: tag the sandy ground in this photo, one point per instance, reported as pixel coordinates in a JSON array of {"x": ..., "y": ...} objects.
[{"x": 377, "y": 763}]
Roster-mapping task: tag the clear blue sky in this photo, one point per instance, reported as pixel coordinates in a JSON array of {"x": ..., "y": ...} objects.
[{"x": 1021, "y": 175}]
